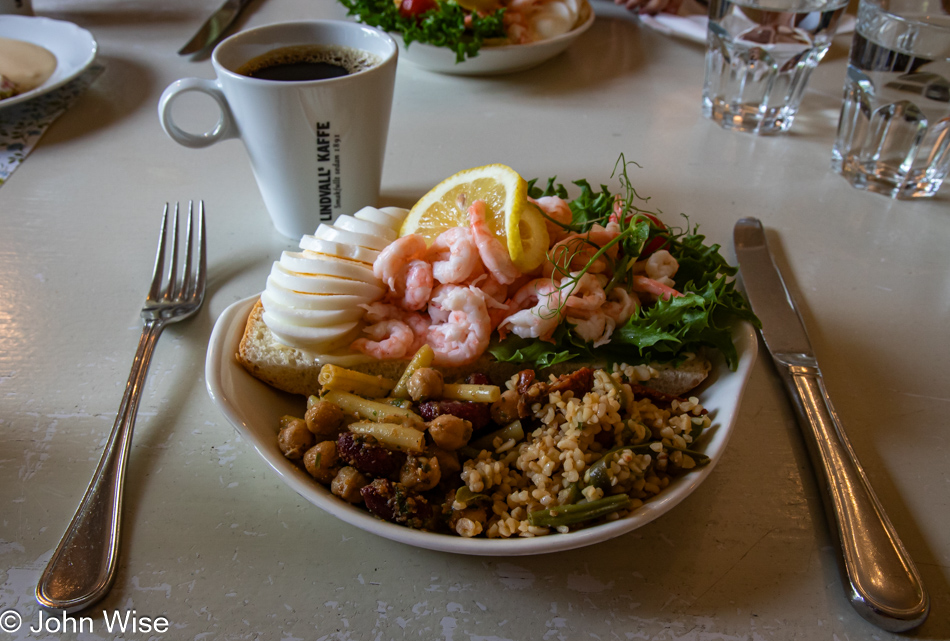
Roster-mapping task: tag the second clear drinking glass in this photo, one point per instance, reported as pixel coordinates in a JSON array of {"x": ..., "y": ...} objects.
[
  {"x": 894, "y": 132},
  {"x": 759, "y": 56}
]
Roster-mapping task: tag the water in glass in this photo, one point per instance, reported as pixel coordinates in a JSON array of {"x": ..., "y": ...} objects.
[{"x": 894, "y": 132}]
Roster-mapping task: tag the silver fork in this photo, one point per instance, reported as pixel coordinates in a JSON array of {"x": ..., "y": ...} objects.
[{"x": 82, "y": 568}]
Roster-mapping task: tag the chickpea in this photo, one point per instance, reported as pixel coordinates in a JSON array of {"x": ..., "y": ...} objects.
[
  {"x": 294, "y": 438},
  {"x": 450, "y": 432},
  {"x": 324, "y": 419},
  {"x": 420, "y": 473},
  {"x": 347, "y": 484},
  {"x": 507, "y": 408},
  {"x": 321, "y": 461},
  {"x": 425, "y": 383}
]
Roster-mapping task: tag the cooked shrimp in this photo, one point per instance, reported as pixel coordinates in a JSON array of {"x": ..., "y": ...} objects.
[
  {"x": 594, "y": 326},
  {"x": 418, "y": 323},
  {"x": 556, "y": 209},
  {"x": 391, "y": 339},
  {"x": 391, "y": 262},
  {"x": 380, "y": 311},
  {"x": 494, "y": 255},
  {"x": 648, "y": 285},
  {"x": 538, "y": 314},
  {"x": 495, "y": 295},
  {"x": 617, "y": 208},
  {"x": 453, "y": 255},
  {"x": 661, "y": 267},
  {"x": 621, "y": 305},
  {"x": 516, "y": 26},
  {"x": 576, "y": 251},
  {"x": 585, "y": 292},
  {"x": 403, "y": 268},
  {"x": 464, "y": 334},
  {"x": 414, "y": 287},
  {"x": 436, "y": 313}
]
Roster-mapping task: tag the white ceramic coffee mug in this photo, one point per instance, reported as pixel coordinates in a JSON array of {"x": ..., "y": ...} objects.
[{"x": 316, "y": 146}]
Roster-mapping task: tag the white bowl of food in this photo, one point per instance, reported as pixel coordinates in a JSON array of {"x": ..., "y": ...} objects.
[
  {"x": 427, "y": 419},
  {"x": 529, "y": 34}
]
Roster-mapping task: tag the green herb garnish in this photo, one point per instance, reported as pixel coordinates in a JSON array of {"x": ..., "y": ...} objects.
[{"x": 448, "y": 25}]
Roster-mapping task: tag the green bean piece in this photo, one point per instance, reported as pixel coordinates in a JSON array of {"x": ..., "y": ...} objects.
[
  {"x": 624, "y": 396},
  {"x": 696, "y": 430},
  {"x": 466, "y": 497},
  {"x": 574, "y": 493},
  {"x": 579, "y": 512},
  {"x": 422, "y": 358},
  {"x": 700, "y": 458},
  {"x": 596, "y": 474},
  {"x": 513, "y": 430},
  {"x": 644, "y": 448},
  {"x": 467, "y": 452}
]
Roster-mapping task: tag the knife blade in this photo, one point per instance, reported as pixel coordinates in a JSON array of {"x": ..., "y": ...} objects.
[
  {"x": 881, "y": 581},
  {"x": 214, "y": 27}
]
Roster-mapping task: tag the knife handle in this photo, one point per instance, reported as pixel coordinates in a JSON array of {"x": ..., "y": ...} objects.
[{"x": 883, "y": 583}]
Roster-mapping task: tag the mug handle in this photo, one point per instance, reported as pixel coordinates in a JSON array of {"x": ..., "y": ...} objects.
[{"x": 225, "y": 127}]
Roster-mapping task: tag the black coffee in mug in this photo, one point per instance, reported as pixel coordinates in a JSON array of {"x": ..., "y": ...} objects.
[{"x": 308, "y": 62}]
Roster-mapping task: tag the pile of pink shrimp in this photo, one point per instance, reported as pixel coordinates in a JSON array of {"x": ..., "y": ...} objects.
[{"x": 455, "y": 293}]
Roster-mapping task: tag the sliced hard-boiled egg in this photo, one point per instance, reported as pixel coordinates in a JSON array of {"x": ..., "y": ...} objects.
[
  {"x": 278, "y": 295},
  {"x": 310, "y": 284},
  {"x": 325, "y": 336},
  {"x": 351, "y": 223},
  {"x": 342, "y": 250},
  {"x": 313, "y": 297},
  {"x": 391, "y": 218},
  {"x": 314, "y": 264},
  {"x": 304, "y": 316},
  {"x": 333, "y": 233}
]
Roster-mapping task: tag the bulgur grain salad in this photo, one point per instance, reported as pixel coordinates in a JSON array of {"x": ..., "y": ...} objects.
[{"x": 524, "y": 459}]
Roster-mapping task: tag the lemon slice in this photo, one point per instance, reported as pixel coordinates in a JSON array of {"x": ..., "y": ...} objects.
[
  {"x": 505, "y": 194},
  {"x": 528, "y": 238}
]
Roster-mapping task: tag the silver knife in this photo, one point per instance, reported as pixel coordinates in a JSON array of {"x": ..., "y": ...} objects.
[
  {"x": 214, "y": 28},
  {"x": 881, "y": 580}
]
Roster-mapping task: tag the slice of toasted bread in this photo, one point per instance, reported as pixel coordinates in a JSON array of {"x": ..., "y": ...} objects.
[
  {"x": 294, "y": 370},
  {"x": 287, "y": 368}
]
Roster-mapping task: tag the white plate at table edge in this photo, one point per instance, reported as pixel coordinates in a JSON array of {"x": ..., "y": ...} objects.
[
  {"x": 490, "y": 60},
  {"x": 254, "y": 409},
  {"x": 74, "y": 47}
]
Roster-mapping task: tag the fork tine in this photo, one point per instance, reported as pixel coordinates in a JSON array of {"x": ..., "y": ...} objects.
[
  {"x": 202, "y": 254},
  {"x": 187, "y": 286},
  {"x": 158, "y": 271},
  {"x": 172, "y": 286}
]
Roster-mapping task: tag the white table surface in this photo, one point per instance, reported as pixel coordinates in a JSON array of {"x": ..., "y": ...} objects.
[{"x": 214, "y": 542}]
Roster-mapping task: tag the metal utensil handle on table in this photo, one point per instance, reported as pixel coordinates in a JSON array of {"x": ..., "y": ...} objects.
[
  {"x": 883, "y": 584},
  {"x": 214, "y": 28},
  {"x": 82, "y": 568}
]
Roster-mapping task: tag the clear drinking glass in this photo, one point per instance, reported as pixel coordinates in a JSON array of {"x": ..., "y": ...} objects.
[
  {"x": 759, "y": 56},
  {"x": 894, "y": 132}
]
